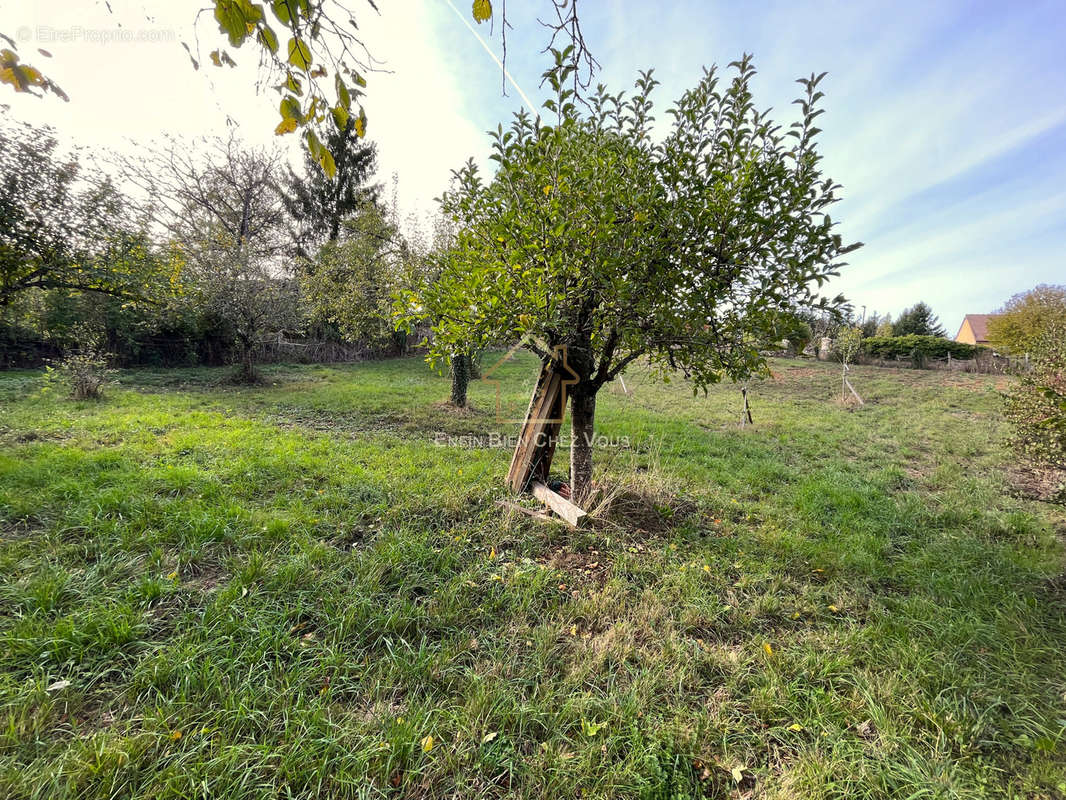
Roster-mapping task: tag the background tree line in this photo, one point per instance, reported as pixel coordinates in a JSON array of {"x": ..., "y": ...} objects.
[{"x": 214, "y": 249}]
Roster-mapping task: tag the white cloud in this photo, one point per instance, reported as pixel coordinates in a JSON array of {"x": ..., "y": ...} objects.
[{"x": 923, "y": 102}]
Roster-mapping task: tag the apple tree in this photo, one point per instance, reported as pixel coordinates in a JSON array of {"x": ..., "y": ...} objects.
[{"x": 594, "y": 236}]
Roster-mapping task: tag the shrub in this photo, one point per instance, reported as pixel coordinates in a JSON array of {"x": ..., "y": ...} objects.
[
  {"x": 83, "y": 371},
  {"x": 917, "y": 348},
  {"x": 1036, "y": 406}
]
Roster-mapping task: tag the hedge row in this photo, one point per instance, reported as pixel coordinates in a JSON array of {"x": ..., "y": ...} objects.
[{"x": 927, "y": 346}]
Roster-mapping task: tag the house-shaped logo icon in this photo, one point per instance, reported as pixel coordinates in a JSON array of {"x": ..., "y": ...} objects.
[{"x": 562, "y": 367}]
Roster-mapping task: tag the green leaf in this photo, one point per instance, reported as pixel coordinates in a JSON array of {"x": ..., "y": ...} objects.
[
  {"x": 299, "y": 54},
  {"x": 343, "y": 96},
  {"x": 340, "y": 117},
  {"x": 281, "y": 11},
  {"x": 268, "y": 38},
  {"x": 290, "y": 109},
  {"x": 482, "y": 10},
  {"x": 231, "y": 21}
]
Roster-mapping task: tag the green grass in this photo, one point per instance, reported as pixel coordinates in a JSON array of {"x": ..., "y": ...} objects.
[{"x": 281, "y": 591}]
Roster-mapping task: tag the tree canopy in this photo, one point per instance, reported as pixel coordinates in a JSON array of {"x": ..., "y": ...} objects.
[
  {"x": 1024, "y": 319},
  {"x": 595, "y": 237},
  {"x": 63, "y": 227},
  {"x": 351, "y": 280},
  {"x": 918, "y": 320},
  {"x": 319, "y": 203}
]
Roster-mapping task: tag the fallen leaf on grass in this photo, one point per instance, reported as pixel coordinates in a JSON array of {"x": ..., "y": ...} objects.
[
  {"x": 55, "y": 687},
  {"x": 769, "y": 650},
  {"x": 592, "y": 728},
  {"x": 488, "y": 737},
  {"x": 795, "y": 726},
  {"x": 427, "y": 744}
]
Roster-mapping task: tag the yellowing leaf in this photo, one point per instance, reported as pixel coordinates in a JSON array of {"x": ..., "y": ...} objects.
[
  {"x": 488, "y": 737},
  {"x": 482, "y": 10},
  {"x": 175, "y": 735},
  {"x": 340, "y": 117},
  {"x": 287, "y": 125},
  {"x": 737, "y": 773},
  {"x": 769, "y": 650},
  {"x": 492, "y": 553},
  {"x": 795, "y": 726},
  {"x": 573, "y": 630},
  {"x": 329, "y": 166},
  {"x": 547, "y": 190},
  {"x": 833, "y": 608},
  {"x": 427, "y": 744},
  {"x": 299, "y": 54}
]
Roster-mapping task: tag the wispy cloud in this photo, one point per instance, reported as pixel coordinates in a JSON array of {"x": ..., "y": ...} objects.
[{"x": 943, "y": 121}]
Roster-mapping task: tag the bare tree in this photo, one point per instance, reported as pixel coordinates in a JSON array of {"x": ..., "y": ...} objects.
[{"x": 220, "y": 206}]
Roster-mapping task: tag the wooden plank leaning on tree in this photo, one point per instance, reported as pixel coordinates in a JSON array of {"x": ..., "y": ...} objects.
[{"x": 540, "y": 432}]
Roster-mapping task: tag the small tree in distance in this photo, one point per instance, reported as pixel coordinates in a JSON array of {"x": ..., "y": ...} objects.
[
  {"x": 595, "y": 238},
  {"x": 220, "y": 207},
  {"x": 918, "y": 320},
  {"x": 351, "y": 281}
]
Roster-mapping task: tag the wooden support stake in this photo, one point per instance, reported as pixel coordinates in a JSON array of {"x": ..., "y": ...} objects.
[
  {"x": 746, "y": 413},
  {"x": 852, "y": 388},
  {"x": 540, "y": 431},
  {"x": 560, "y": 505}
]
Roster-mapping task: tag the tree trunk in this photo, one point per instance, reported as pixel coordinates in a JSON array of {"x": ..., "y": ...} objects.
[
  {"x": 582, "y": 417},
  {"x": 246, "y": 373},
  {"x": 460, "y": 379}
]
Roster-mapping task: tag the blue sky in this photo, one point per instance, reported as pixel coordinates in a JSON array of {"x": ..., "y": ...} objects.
[{"x": 944, "y": 121}]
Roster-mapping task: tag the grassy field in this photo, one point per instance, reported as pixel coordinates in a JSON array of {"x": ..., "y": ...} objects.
[{"x": 306, "y": 589}]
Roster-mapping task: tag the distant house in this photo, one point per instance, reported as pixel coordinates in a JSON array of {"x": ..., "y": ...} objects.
[{"x": 974, "y": 329}]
